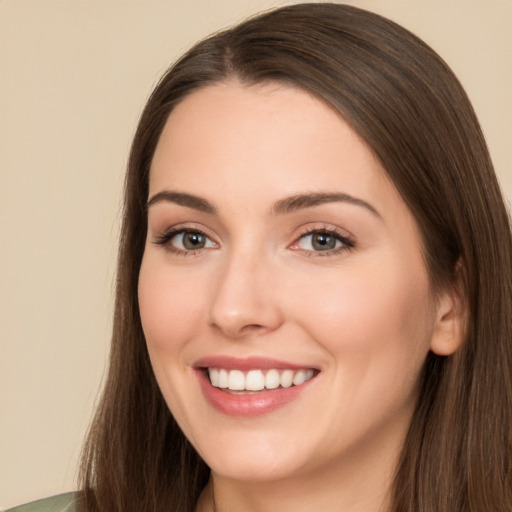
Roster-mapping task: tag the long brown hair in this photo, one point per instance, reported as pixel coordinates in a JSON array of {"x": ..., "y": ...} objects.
[{"x": 407, "y": 105}]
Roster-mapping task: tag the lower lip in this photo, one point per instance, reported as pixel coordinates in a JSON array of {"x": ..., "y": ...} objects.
[{"x": 255, "y": 404}]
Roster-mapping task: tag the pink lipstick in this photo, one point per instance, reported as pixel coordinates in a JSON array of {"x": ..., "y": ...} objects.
[{"x": 252, "y": 386}]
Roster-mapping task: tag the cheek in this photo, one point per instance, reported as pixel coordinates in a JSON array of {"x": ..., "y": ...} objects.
[
  {"x": 375, "y": 327},
  {"x": 170, "y": 305},
  {"x": 372, "y": 315},
  {"x": 170, "y": 311}
]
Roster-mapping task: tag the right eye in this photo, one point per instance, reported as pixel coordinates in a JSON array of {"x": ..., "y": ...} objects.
[{"x": 185, "y": 241}]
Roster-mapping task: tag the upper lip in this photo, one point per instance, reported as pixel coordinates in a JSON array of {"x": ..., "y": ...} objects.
[{"x": 246, "y": 364}]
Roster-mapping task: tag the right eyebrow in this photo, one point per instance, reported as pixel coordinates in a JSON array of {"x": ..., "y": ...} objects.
[{"x": 188, "y": 200}]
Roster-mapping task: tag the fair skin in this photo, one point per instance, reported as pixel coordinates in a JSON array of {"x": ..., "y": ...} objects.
[{"x": 333, "y": 284}]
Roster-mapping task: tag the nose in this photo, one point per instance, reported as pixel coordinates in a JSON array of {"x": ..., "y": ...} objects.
[{"x": 245, "y": 300}]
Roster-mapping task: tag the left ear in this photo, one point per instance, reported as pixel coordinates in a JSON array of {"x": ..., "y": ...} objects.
[{"x": 451, "y": 317}]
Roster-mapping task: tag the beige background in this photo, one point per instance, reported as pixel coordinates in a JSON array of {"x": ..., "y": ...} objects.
[{"x": 74, "y": 76}]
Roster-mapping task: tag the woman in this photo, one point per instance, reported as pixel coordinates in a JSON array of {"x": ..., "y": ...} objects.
[{"x": 314, "y": 283}]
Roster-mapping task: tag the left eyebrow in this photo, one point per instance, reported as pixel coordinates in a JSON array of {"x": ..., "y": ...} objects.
[{"x": 301, "y": 201}]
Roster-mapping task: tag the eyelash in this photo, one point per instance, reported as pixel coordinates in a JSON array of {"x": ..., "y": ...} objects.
[
  {"x": 165, "y": 238},
  {"x": 347, "y": 243}
]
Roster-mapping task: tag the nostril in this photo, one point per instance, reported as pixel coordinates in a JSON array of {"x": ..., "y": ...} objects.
[
  {"x": 252, "y": 327},
  {"x": 237, "y": 331}
]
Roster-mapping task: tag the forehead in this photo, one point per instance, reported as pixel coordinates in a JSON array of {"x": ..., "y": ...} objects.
[
  {"x": 269, "y": 139},
  {"x": 217, "y": 120}
]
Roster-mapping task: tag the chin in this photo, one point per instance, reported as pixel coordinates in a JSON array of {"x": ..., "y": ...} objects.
[
  {"x": 256, "y": 460},
  {"x": 256, "y": 471}
]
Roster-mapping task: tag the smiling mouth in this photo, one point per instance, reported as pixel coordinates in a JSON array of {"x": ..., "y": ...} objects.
[{"x": 258, "y": 380}]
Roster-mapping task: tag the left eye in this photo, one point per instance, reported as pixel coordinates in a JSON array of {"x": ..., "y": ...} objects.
[{"x": 320, "y": 241}]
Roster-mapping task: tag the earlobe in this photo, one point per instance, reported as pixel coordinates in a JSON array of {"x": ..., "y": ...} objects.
[{"x": 451, "y": 318}]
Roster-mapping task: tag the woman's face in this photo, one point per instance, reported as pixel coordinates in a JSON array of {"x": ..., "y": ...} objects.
[{"x": 278, "y": 251}]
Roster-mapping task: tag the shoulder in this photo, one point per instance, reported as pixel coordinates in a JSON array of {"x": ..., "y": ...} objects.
[{"x": 61, "y": 503}]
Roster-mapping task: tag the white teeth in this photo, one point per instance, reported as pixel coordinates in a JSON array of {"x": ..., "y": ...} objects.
[
  {"x": 299, "y": 378},
  {"x": 256, "y": 380},
  {"x": 287, "y": 378},
  {"x": 223, "y": 379},
  {"x": 236, "y": 381},
  {"x": 214, "y": 377},
  {"x": 272, "y": 380}
]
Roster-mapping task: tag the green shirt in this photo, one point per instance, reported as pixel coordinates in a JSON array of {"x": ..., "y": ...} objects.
[{"x": 61, "y": 503}]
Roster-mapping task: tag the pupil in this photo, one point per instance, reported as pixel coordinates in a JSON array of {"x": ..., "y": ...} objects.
[
  {"x": 193, "y": 240},
  {"x": 323, "y": 242}
]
